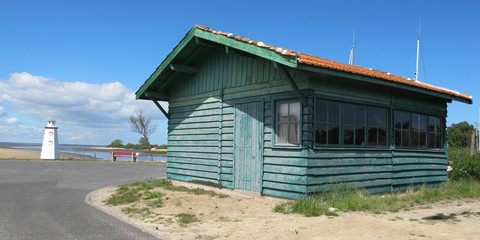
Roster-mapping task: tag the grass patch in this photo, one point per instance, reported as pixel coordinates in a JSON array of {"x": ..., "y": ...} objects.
[
  {"x": 185, "y": 218},
  {"x": 137, "y": 191},
  {"x": 124, "y": 195},
  {"x": 349, "y": 199}
]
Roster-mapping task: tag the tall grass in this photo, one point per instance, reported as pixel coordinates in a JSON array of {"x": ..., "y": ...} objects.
[{"x": 342, "y": 198}]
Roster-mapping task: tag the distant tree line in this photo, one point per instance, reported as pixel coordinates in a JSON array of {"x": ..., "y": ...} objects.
[
  {"x": 142, "y": 145},
  {"x": 464, "y": 164},
  {"x": 459, "y": 139}
]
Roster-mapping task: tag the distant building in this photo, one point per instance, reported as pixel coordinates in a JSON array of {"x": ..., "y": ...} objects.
[{"x": 251, "y": 116}]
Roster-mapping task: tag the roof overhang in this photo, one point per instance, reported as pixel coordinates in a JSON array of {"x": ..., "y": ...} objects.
[{"x": 188, "y": 53}]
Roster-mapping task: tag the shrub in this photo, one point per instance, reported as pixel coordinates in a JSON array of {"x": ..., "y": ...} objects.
[
  {"x": 465, "y": 167},
  {"x": 117, "y": 143}
]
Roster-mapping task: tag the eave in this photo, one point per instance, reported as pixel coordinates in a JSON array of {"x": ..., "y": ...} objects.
[{"x": 188, "y": 53}]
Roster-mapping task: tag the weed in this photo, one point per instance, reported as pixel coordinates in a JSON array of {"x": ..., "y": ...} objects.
[
  {"x": 396, "y": 218},
  {"x": 153, "y": 195},
  {"x": 185, "y": 218},
  {"x": 178, "y": 204},
  {"x": 224, "y": 219},
  {"x": 124, "y": 195},
  {"x": 156, "y": 203}
]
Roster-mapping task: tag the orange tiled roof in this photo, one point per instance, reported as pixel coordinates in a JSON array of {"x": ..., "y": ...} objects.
[{"x": 325, "y": 63}]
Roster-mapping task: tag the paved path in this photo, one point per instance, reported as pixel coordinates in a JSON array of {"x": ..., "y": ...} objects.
[{"x": 45, "y": 200}]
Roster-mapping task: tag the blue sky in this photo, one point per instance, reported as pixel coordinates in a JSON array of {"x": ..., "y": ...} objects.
[{"x": 80, "y": 62}]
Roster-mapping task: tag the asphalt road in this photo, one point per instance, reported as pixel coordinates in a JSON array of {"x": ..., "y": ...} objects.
[{"x": 45, "y": 200}]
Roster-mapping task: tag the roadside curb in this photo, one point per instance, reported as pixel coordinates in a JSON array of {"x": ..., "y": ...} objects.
[{"x": 88, "y": 200}]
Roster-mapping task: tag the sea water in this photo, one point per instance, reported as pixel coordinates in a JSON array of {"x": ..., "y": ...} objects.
[{"x": 89, "y": 152}]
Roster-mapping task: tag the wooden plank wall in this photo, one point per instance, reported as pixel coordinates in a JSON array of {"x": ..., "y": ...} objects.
[
  {"x": 193, "y": 142},
  {"x": 371, "y": 169},
  {"x": 226, "y": 71},
  {"x": 415, "y": 168}
]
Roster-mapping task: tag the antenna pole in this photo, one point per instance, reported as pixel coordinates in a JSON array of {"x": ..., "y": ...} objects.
[
  {"x": 350, "y": 60},
  {"x": 418, "y": 51}
]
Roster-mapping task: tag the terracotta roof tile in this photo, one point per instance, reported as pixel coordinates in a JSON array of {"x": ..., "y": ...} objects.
[{"x": 325, "y": 63}]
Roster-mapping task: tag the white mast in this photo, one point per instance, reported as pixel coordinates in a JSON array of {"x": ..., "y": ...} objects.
[
  {"x": 350, "y": 60},
  {"x": 418, "y": 50}
]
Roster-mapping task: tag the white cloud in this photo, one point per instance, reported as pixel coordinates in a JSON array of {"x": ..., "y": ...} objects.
[
  {"x": 107, "y": 105},
  {"x": 11, "y": 120},
  {"x": 86, "y": 113}
]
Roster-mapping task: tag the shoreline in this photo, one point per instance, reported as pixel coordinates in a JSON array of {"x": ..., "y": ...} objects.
[{"x": 31, "y": 154}]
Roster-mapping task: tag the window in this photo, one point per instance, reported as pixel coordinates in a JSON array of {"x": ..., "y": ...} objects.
[
  {"x": 417, "y": 130},
  {"x": 349, "y": 124},
  {"x": 402, "y": 129},
  {"x": 377, "y": 126},
  {"x": 327, "y": 123},
  {"x": 435, "y": 135},
  {"x": 288, "y": 123},
  {"x": 354, "y": 124}
]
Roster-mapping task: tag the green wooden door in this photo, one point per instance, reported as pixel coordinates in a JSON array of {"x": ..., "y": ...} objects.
[{"x": 248, "y": 146}]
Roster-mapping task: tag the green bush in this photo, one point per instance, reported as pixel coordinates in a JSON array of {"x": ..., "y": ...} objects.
[
  {"x": 465, "y": 167},
  {"x": 456, "y": 152},
  {"x": 117, "y": 143}
]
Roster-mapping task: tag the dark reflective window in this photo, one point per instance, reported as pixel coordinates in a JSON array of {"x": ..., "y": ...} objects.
[
  {"x": 354, "y": 124},
  {"x": 402, "y": 128},
  {"x": 327, "y": 123},
  {"x": 377, "y": 126}
]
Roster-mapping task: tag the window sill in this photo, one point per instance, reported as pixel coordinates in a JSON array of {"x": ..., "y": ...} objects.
[
  {"x": 360, "y": 148},
  {"x": 287, "y": 146}
]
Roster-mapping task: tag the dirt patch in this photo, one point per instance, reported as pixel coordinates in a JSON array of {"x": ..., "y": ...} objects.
[{"x": 243, "y": 216}]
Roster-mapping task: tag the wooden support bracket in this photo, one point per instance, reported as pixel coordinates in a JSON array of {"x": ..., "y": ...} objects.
[
  {"x": 292, "y": 83},
  {"x": 161, "y": 109}
]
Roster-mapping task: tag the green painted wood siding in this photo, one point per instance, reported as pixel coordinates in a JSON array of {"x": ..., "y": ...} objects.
[
  {"x": 193, "y": 142},
  {"x": 365, "y": 168},
  {"x": 227, "y": 71},
  {"x": 412, "y": 168},
  {"x": 202, "y": 131}
]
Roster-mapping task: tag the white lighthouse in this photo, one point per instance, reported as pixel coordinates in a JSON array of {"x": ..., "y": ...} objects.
[{"x": 50, "y": 142}]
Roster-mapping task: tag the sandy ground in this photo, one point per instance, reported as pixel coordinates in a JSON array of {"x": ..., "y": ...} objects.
[
  {"x": 242, "y": 216},
  {"x": 26, "y": 154}
]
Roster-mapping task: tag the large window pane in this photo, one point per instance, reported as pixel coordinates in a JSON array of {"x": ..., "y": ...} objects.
[
  {"x": 360, "y": 135},
  {"x": 377, "y": 123},
  {"x": 334, "y": 113},
  {"x": 348, "y": 135},
  {"x": 334, "y": 134},
  {"x": 320, "y": 133},
  {"x": 327, "y": 126},
  {"x": 402, "y": 129},
  {"x": 288, "y": 123},
  {"x": 354, "y": 124},
  {"x": 295, "y": 112}
]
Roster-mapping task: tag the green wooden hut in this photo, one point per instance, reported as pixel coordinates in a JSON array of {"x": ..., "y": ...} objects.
[{"x": 247, "y": 115}]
